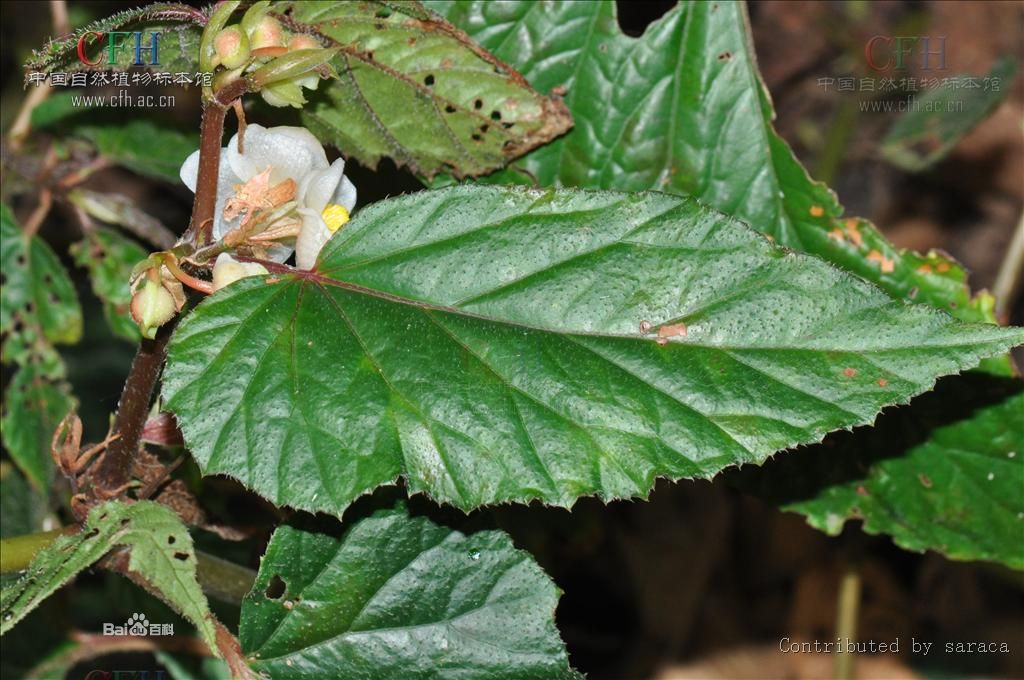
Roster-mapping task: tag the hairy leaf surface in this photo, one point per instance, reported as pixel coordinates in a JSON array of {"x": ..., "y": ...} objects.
[
  {"x": 400, "y": 596},
  {"x": 414, "y": 88},
  {"x": 501, "y": 344}
]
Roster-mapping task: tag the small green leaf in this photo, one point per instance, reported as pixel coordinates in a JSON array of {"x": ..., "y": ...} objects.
[
  {"x": 161, "y": 553},
  {"x": 110, "y": 257},
  {"x": 38, "y": 304},
  {"x": 943, "y": 115},
  {"x": 499, "y": 344},
  {"x": 960, "y": 492},
  {"x": 142, "y": 146},
  {"x": 34, "y": 405},
  {"x": 413, "y": 88},
  {"x": 179, "y": 26},
  {"x": 400, "y": 596}
]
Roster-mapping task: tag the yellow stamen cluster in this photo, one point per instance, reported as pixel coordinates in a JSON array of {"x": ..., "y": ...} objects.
[{"x": 335, "y": 216}]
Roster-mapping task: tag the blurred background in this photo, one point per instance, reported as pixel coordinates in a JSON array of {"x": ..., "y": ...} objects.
[{"x": 702, "y": 580}]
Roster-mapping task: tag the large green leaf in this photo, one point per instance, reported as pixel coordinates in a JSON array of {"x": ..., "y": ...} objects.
[
  {"x": 942, "y": 116},
  {"x": 413, "y": 88},
  {"x": 38, "y": 304},
  {"x": 401, "y": 597},
  {"x": 110, "y": 257},
  {"x": 179, "y": 26},
  {"x": 683, "y": 109},
  {"x": 161, "y": 553},
  {"x": 498, "y": 344}
]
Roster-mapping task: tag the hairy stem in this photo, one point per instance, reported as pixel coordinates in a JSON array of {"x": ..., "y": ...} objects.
[{"x": 114, "y": 469}]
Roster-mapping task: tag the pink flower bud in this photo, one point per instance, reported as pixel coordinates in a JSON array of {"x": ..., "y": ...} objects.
[
  {"x": 266, "y": 33},
  {"x": 231, "y": 47},
  {"x": 152, "y": 306}
]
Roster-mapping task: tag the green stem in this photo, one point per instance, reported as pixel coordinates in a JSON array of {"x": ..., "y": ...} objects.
[{"x": 846, "y": 622}]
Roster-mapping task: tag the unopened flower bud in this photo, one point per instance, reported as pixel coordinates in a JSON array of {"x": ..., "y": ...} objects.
[
  {"x": 152, "y": 306},
  {"x": 231, "y": 47},
  {"x": 301, "y": 41},
  {"x": 266, "y": 33},
  {"x": 227, "y": 270}
]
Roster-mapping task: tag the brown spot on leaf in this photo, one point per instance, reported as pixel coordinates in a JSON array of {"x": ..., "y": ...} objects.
[
  {"x": 882, "y": 382},
  {"x": 849, "y": 372},
  {"x": 725, "y": 56},
  {"x": 925, "y": 269},
  {"x": 925, "y": 480},
  {"x": 645, "y": 326},
  {"x": 675, "y": 330},
  {"x": 942, "y": 267},
  {"x": 885, "y": 263},
  {"x": 817, "y": 211},
  {"x": 861, "y": 491},
  {"x": 854, "y": 232},
  {"x": 837, "y": 234}
]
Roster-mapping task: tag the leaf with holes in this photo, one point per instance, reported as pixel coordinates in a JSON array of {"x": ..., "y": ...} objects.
[
  {"x": 38, "y": 304},
  {"x": 178, "y": 26},
  {"x": 400, "y": 596},
  {"x": 34, "y": 405},
  {"x": 683, "y": 109},
  {"x": 501, "y": 344},
  {"x": 110, "y": 257},
  {"x": 413, "y": 88},
  {"x": 161, "y": 553}
]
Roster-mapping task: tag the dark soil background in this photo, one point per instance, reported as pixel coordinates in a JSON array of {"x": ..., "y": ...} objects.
[{"x": 701, "y": 580}]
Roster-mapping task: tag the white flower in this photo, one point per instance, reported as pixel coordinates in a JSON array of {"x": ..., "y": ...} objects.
[
  {"x": 227, "y": 270},
  {"x": 324, "y": 196}
]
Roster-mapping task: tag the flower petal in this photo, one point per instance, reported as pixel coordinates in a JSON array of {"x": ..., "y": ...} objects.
[
  {"x": 291, "y": 152},
  {"x": 345, "y": 194},
  {"x": 317, "y": 188},
  {"x": 189, "y": 172},
  {"x": 226, "y": 181},
  {"x": 312, "y": 237}
]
